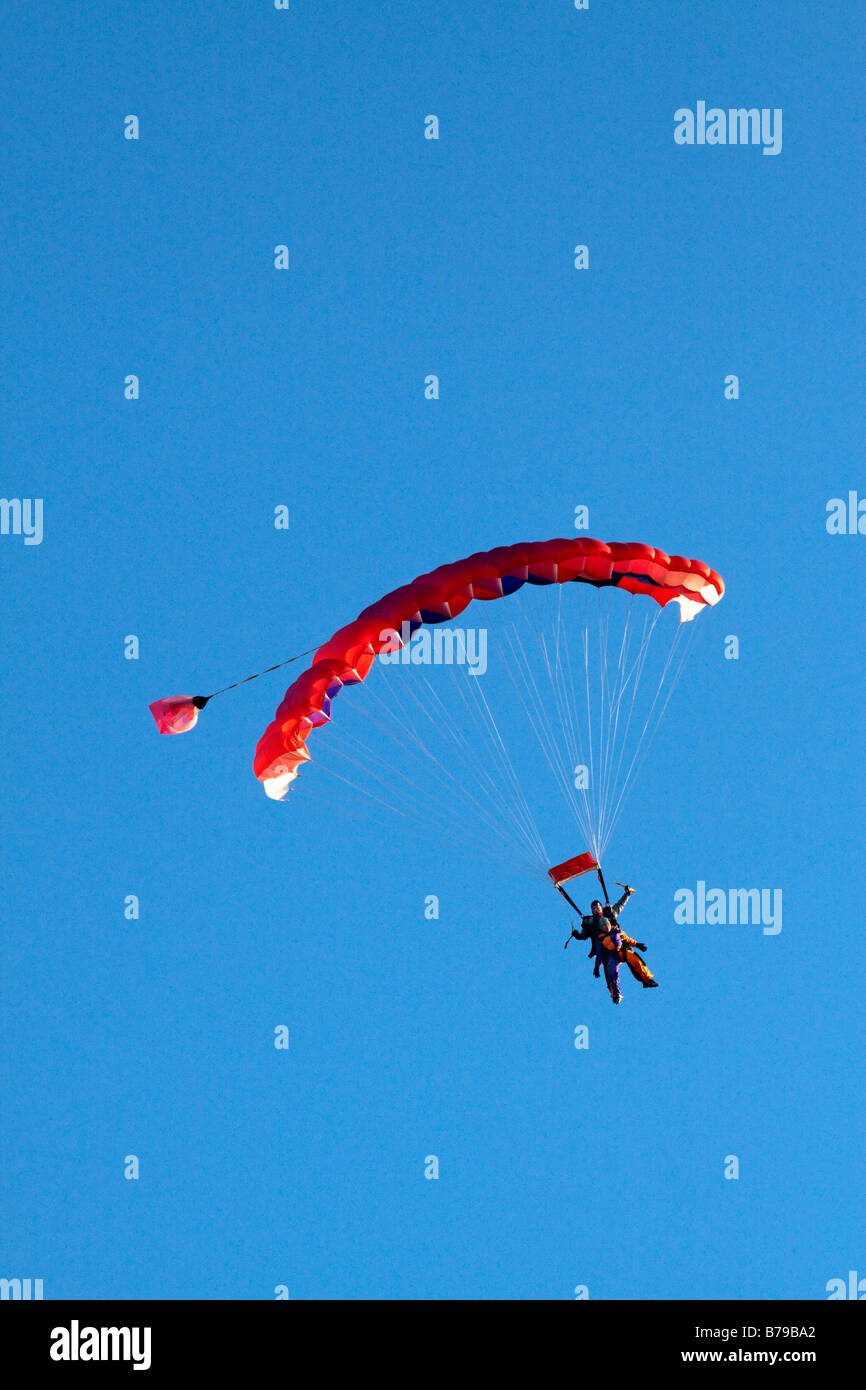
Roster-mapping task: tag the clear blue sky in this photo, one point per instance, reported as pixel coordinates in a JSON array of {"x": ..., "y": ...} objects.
[{"x": 154, "y": 1037}]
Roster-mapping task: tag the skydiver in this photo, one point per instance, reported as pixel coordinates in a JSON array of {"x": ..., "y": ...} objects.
[
  {"x": 591, "y": 928},
  {"x": 611, "y": 946}
]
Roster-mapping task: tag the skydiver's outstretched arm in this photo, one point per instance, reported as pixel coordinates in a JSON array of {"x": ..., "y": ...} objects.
[{"x": 618, "y": 906}]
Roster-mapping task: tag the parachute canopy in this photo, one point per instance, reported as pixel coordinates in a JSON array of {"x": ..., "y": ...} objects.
[{"x": 441, "y": 596}]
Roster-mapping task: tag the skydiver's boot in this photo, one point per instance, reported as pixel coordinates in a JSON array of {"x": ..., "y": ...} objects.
[{"x": 650, "y": 984}]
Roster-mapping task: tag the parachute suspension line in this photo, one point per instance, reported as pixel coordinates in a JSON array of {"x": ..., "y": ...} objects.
[
  {"x": 415, "y": 815},
  {"x": 342, "y": 734},
  {"x": 465, "y": 750},
  {"x": 565, "y": 776},
  {"x": 520, "y": 817},
  {"x": 448, "y": 725},
  {"x": 591, "y": 791},
  {"x": 366, "y": 767},
  {"x": 610, "y": 758},
  {"x": 567, "y": 705},
  {"x": 633, "y": 678},
  {"x": 571, "y": 697},
  {"x": 540, "y": 722},
  {"x": 611, "y": 789},
  {"x": 617, "y": 668},
  {"x": 468, "y": 754},
  {"x": 534, "y": 717},
  {"x": 604, "y": 713},
  {"x": 644, "y": 742},
  {"x": 526, "y": 813},
  {"x": 452, "y": 783},
  {"x": 650, "y": 728},
  {"x": 372, "y": 759},
  {"x": 606, "y": 766},
  {"x": 616, "y": 690},
  {"x": 371, "y": 796},
  {"x": 425, "y": 817},
  {"x": 614, "y": 665},
  {"x": 619, "y": 783},
  {"x": 620, "y": 691},
  {"x": 563, "y": 683},
  {"x": 570, "y": 738}
]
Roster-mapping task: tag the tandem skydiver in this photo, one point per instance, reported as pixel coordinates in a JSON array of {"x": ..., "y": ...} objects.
[{"x": 612, "y": 947}]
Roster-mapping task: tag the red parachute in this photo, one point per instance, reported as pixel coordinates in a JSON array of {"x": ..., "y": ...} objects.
[{"x": 442, "y": 595}]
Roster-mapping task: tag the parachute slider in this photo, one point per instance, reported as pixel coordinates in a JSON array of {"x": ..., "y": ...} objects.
[
  {"x": 569, "y": 869},
  {"x": 572, "y": 868}
]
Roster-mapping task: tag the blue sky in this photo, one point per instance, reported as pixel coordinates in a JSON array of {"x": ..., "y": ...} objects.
[{"x": 558, "y": 1167}]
